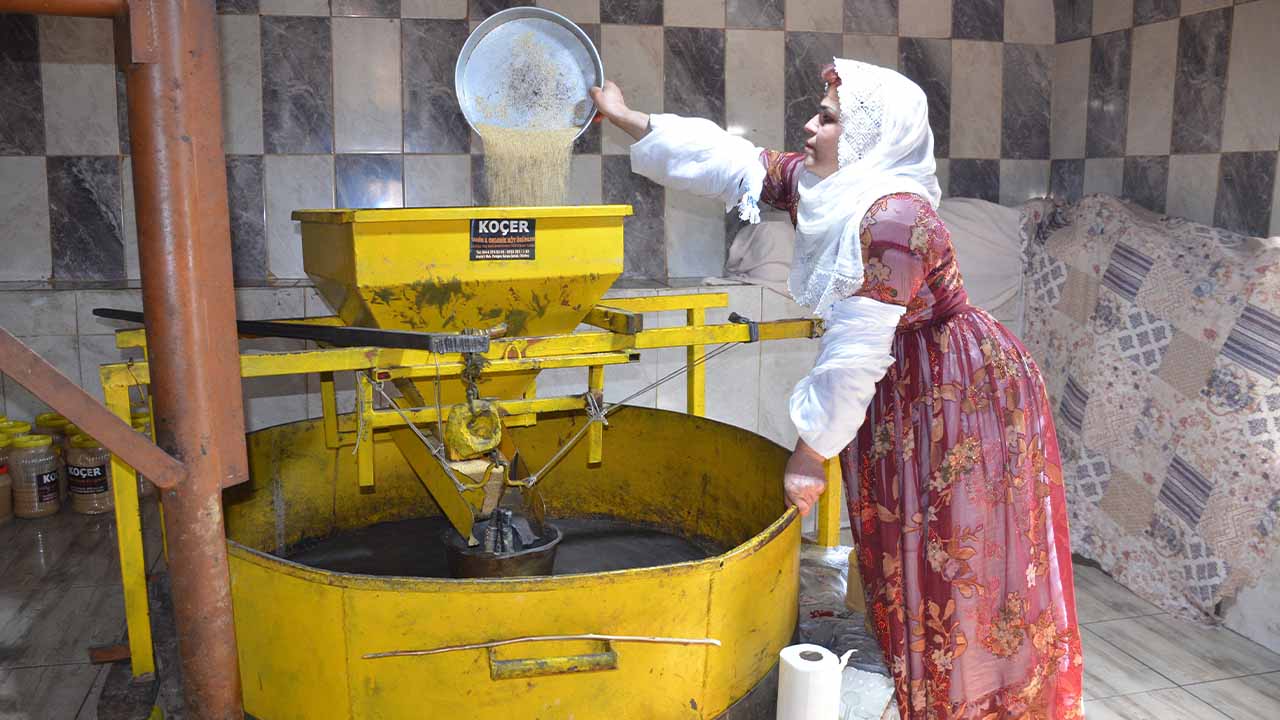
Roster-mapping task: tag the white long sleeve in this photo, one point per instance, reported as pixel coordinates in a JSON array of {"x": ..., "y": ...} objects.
[
  {"x": 699, "y": 157},
  {"x": 830, "y": 403}
]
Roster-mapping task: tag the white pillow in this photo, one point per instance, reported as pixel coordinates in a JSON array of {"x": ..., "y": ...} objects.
[{"x": 988, "y": 247}]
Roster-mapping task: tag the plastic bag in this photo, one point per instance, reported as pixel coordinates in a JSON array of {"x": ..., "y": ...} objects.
[{"x": 824, "y": 618}]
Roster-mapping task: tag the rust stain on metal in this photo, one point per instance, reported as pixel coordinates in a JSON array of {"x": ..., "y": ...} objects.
[{"x": 76, "y": 8}]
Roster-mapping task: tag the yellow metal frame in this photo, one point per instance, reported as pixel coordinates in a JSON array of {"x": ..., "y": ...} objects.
[{"x": 592, "y": 350}]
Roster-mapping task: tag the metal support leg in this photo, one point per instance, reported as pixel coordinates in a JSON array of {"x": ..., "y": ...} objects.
[
  {"x": 696, "y": 394},
  {"x": 595, "y": 436}
]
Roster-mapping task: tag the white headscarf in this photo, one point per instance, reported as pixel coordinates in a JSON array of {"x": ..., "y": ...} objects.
[{"x": 886, "y": 147}]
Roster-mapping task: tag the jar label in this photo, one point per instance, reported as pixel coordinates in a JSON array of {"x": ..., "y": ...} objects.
[
  {"x": 47, "y": 487},
  {"x": 88, "y": 480}
]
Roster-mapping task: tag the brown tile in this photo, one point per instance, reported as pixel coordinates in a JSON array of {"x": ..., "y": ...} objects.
[
  {"x": 1109, "y": 671},
  {"x": 1248, "y": 698},
  {"x": 1157, "y": 705},
  {"x": 1186, "y": 652}
]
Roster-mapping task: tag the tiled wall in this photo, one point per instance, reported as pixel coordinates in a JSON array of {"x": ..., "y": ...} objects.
[
  {"x": 1174, "y": 104},
  {"x": 350, "y": 103}
]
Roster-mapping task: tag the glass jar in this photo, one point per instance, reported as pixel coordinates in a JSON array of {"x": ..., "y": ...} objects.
[
  {"x": 33, "y": 468},
  {"x": 89, "y": 475},
  {"x": 6, "y": 484}
]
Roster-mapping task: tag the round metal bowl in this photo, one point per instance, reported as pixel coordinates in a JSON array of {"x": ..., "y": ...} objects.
[
  {"x": 467, "y": 562},
  {"x": 489, "y": 67}
]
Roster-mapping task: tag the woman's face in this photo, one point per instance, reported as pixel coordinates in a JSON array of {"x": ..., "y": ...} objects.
[{"x": 820, "y": 154}]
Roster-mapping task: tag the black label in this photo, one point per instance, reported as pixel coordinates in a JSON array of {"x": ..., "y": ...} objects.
[
  {"x": 87, "y": 480},
  {"x": 47, "y": 487},
  {"x": 503, "y": 239}
]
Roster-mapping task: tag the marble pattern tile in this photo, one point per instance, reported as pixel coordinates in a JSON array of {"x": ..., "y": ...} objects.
[
  {"x": 1252, "y": 120},
  {"x": 1022, "y": 180},
  {"x": 704, "y": 13},
  {"x": 879, "y": 50},
  {"x": 579, "y": 11},
  {"x": 695, "y": 236},
  {"x": 46, "y": 692},
  {"x": 247, "y": 203},
  {"x": 369, "y": 181},
  {"x": 1244, "y": 200},
  {"x": 807, "y": 53},
  {"x": 366, "y": 8},
  {"x": 61, "y": 351},
  {"x": 482, "y": 9},
  {"x": 294, "y": 7},
  {"x": 762, "y": 14},
  {"x": 1066, "y": 180},
  {"x": 1108, "y": 94},
  {"x": 1110, "y": 671},
  {"x": 645, "y": 253},
  {"x": 978, "y": 20},
  {"x": 24, "y": 193},
  {"x": 1157, "y": 705},
  {"x": 237, "y": 7},
  {"x": 1146, "y": 181},
  {"x": 1186, "y": 652},
  {"x": 924, "y": 18},
  {"x": 755, "y": 84},
  {"x": 976, "y": 99},
  {"x": 1201, "y": 85},
  {"x": 631, "y": 12},
  {"x": 240, "y": 41},
  {"x": 1104, "y": 176},
  {"x": 1027, "y": 101},
  {"x": 928, "y": 63},
  {"x": 1151, "y": 11},
  {"x": 366, "y": 85},
  {"x": 1074, "y": 19},
  {"x": 1029, "y": 21},
  {"x": 297, "y": 85},
  {"x": 78, "y": 82},
  {"x": 433, "y": 122},
  {"x": 877, "y": 17},
  {"x": 1191, "y": 7},
  {"x": 1112, "y": 15},
  {"x": 975, "y": 179},
  {"x": 86, "y": 226},
  {"x": 1248, "y": 698},
  {"x": 586, "y": 182},
  {"x": 435, "y": 9},
  {"x": 293, "y": 182},
  {"x": 1155, "y": 50},
  {"x": 437, "y": 180},
  {"x": 1193, "y": 187},
  {"x": 824, "y": 16},
  {"x": 694, "y": 61},
  {"x": 21, "y": 93},
  {"x": 634, "y": 56},
  {"x": 1068, "y": 130}
]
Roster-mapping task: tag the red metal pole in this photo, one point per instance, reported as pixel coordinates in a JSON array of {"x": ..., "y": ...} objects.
[
  {"x": 175, "y": 121},
  {"x": 78, "y": 8}
]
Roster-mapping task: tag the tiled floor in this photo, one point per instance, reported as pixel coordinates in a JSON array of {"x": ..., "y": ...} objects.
[{"x": 60, "y": 594}]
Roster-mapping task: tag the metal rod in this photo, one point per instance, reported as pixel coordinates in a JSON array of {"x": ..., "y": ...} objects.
[
  {"x": 546, "y": 638},
  {"x": 175, "y": 122},
  {"x": 66, "y": 397},
  {"x": 77, "y": 8}
]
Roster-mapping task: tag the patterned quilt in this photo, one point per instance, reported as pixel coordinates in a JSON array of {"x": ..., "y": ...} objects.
[{"x": 1160, "y": 343}]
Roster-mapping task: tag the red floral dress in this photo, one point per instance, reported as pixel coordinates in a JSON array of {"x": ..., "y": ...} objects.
[{"x": 955, "y": 490}]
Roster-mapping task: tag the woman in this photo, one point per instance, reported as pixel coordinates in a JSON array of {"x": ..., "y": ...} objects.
[{"x": 954, "y": 479}]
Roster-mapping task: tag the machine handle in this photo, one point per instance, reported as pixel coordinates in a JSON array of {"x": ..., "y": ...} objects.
[{"x": 521, "y": 668}]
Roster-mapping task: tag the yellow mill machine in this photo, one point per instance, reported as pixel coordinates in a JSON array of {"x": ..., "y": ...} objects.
[{"x": 452, "y": 448}]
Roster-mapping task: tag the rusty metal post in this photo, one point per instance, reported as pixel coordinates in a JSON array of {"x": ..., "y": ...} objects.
[
  {"x": 175, "y": 121},
  {"x": 77, "y": 8}
]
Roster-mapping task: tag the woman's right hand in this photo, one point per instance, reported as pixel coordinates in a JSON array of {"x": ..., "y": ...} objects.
[{"x": 611, "y": 104}]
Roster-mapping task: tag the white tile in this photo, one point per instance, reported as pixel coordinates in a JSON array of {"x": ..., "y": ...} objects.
[
  {"x": 132, "y": 262},
  {"x": 1157, "y": 705},
  {"x": 879, "y": 50},
  {"x": 240, "y": 41},
  {"x": 1155, "y": 59},
  {"x": 366, "y": 85},
  {"x": 437, "y": 180},
  {"x": 733, "y": 379},
  {"x": 782, "y": 364},
  {"x": 1022, "y": 180},
  {"x": 314, "y": 304},
  {"x": 1253, "y": 92},
  {"x": 1191, "y": 7},
  {"x": 1070, "y": 98},
  {"x": 1275, "y": 204},
  {"x": 270, "y": 303},
  {"x": 1186, "y": 652},
  {"x": 61, "y": 351},
  {"x": 672, "y": 395},
  {"x": 1104, "y": 175},
  {"x": 755, "y": 85},
  {"x": 701, "y": 13},
  {"x": 815, "y": 15},
  {"x": 87, "y": 300},
  {"x": 293, "y": 182},
  {"x": 24, "y": 195},
  {"x": 695, "y": 236},
  {"x": 271, "y": 401},
  {"x": 80, "y": 109},
  {"x": 943, "y": 172},
  {"x": 294, "y": 7},
  {"x": 96, "y": 351},
  {"x": 1100, "y": 598},
  {"x": 976, "y": 99},
  {"x": 579, "y": 11},
  {"x": 1029, "y": 22},
  {"x": 634, "y": 56},
  {"x": 1109, "y": 671},
  {"x": 76, "y": 40},
  {"x": 1193, "y": 187},
  {"x": 1112, "y": 15},
  {"x": 585, "y": 180},
  {"x": 1252, "y": 612},
  {"x": 38, "y": 312},
  {"x": 924, "y": 18},
  {"x": 1250, "y": 698}
]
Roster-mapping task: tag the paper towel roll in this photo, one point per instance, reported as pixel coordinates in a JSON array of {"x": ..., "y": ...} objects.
[{"x": 809, "y": 683}]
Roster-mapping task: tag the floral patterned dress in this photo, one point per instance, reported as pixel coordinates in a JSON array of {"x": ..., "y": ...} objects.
[{"x": 955, "y": 490}]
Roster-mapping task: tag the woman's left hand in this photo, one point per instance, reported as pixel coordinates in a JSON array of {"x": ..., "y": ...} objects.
[{"x": 805, "y": 478}]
